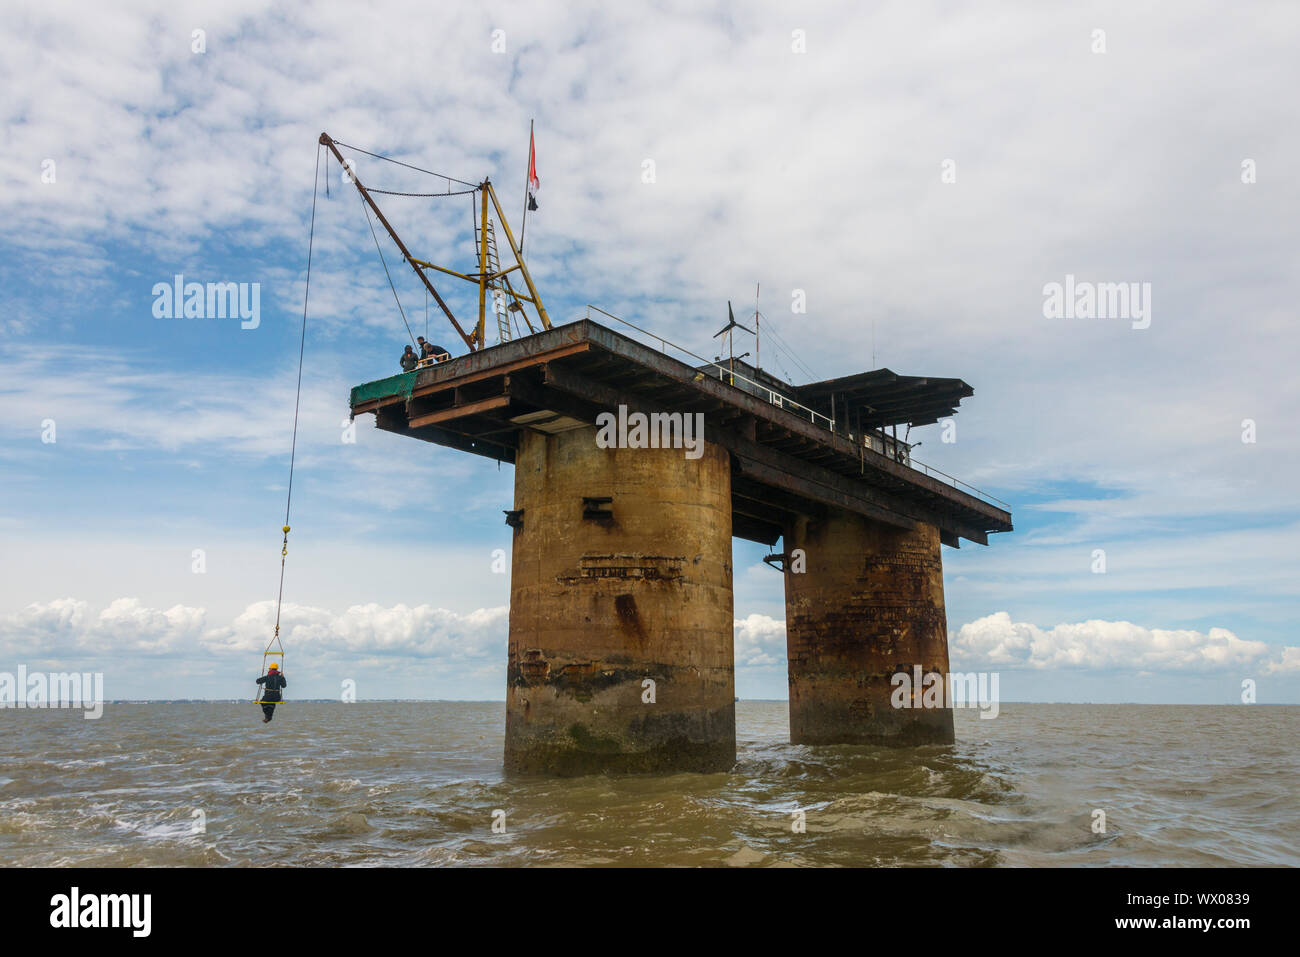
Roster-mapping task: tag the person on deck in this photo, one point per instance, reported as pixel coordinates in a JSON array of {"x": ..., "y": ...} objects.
[
  {"x": 409, "y": 360},
  {"x": 272, "y": 681},
  {"x": 430, "y": 351}
]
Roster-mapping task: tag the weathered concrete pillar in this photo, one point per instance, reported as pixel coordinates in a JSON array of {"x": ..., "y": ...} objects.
[
  {"x": 607, "y": 594},
  {"x": 869, "y": 605}
]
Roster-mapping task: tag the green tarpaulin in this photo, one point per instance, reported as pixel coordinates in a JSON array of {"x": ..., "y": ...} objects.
[{"x": 400, "y": 384}]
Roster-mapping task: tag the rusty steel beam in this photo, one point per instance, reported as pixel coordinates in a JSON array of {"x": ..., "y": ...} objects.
[
  {"x": 780, "y": 469},
  {"x": 370, "y": 405},
  {"x": 825, "y": 488},
  {"x": 459, "y": 411},
  {"x": 443, "y": 377},
  {"x": 831, "y": 460},
  {"x": 754, "y": 529},
  {"x": 824, "y": 494},
  {"x": 585, "y": 403},
  {"x": 680, "y": 371},
  {"x": 390, "y": 419}
]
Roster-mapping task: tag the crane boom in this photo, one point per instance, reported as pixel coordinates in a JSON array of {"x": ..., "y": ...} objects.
[
  {"x": 328, "y": 143},
  {"x": 486, "y": 273}
]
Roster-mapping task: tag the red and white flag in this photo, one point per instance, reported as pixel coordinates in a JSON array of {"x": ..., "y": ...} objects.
[{"x": 533, "y": 183}]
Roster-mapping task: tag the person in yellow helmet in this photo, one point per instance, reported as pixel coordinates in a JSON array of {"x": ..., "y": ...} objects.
[{"x": 272, "y": 682}]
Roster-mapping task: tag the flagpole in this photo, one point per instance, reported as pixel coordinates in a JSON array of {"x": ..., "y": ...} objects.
[{"x": 523, "y": 225}]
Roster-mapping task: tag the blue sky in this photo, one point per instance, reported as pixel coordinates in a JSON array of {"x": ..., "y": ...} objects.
[{"x": 817, "y": 171}]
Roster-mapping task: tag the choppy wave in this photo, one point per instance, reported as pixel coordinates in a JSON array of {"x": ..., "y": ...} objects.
[{"x": 421, "y": 784}]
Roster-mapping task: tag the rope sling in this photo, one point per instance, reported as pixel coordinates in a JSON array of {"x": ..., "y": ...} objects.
[{"x": 274, "y": 653}]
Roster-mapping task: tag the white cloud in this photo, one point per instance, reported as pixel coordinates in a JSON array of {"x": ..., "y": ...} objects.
[
  {"x": 68, "y": 627},
  {"x": 1289, "y": 663},
  {"x": 401, "y": 639},
  {"x": 417, "y": 632},
  {"x": 213, "y": 420},
  {"x": 995, "y": 641},
  {"x": 760, "y": 641}
]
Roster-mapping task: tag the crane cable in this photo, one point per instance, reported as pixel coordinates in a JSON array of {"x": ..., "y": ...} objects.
[
  {"x": 293, "y": 447},
  {"x": 384, "y": 262},
  {"x": 389, "y": 159}
]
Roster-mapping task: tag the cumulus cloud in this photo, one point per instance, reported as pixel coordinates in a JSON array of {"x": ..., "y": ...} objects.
[
  {"x": 126, "y": 627},
  {"x": 995, "y": 641},
  {"x": 760, "y": 641},
  {"x": 421, "y": 631},
  {"x": 401, "y": 633},
  {"x": 1288, "y": 663},
  {"x": 67, "y": 626}
]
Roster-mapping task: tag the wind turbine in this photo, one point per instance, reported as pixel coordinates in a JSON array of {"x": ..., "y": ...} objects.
[{"x": 731, "y": 345}]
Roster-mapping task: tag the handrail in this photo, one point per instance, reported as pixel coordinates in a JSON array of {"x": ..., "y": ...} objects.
[
  {"x": 723, "y": 371},
  {"x": 786, "y": 403},
  {"x": 959, "y": 484}
]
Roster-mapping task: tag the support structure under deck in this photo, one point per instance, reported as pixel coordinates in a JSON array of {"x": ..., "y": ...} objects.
[
  {"x": 620, "y": 609},
  {"x": 621, "y": 615},
  {"x": 868, "y": 605}
]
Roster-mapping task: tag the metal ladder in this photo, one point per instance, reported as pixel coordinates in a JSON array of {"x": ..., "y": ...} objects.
[{"x": 495, "y": 290}]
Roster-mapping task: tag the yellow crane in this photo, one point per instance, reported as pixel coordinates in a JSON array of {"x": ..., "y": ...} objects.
[{"x": 489, "y": 276}]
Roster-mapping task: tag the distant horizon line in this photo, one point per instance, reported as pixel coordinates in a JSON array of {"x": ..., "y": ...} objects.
[{"x": 1152, "y": 704}]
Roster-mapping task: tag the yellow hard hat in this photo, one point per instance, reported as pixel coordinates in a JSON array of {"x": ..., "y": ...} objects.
[{"x": 274, "y": 666}]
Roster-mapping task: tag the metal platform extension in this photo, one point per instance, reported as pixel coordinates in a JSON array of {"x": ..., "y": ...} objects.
[{"x": 787, "y": 456}]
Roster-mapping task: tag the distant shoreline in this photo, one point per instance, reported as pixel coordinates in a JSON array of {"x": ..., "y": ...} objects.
[{"x": 501, "y": 701}]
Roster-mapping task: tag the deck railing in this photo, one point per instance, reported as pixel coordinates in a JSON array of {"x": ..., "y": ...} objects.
[
  {"x": 725, "y": 374},
  {"x": 785, "y": 402}
]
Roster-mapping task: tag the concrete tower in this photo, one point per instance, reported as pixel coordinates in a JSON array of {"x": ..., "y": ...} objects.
[
  {"x": 621, "y": 613},
  {"x": 620, "y": 609}
]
